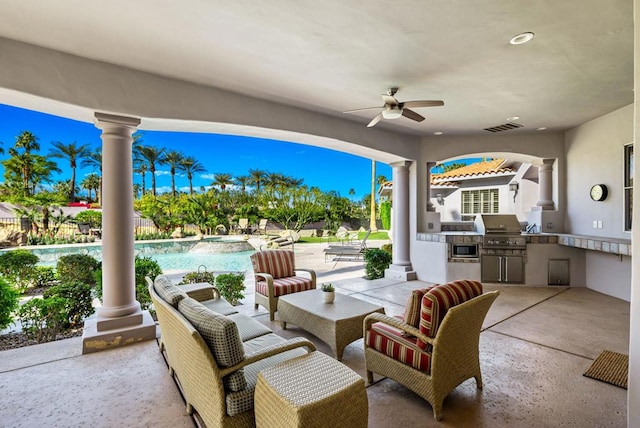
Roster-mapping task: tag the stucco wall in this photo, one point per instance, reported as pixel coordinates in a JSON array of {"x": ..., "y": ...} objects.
[{"x": 595, "y": 154}]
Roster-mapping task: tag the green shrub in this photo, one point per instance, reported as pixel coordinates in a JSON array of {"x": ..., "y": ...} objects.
[
  {"x": 385, "y": 215},
  {"x": 93, "y": 217},
  {"x": 376, "y": 261},
  {"x": 231, "y": 286},
  {"x": 44, "y": 276},
  {"x": 77, "y": 268},
  {"x": 193, "y": 277},
  {"x": 43, "y": 319},
  {"x": 78, "y": 301},
  {"x": 145, "y": 266},
  {"x": 18, "y": 267},
  {"x": 8, "y": 303}
]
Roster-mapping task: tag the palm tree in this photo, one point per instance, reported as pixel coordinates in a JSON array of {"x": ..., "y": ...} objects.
[
  {"x": 94, "y": 160},
  {"x": 222, "y": 180},
  {"x": 273, "y": 179},
  {"x": 372, "y": 221},
  {"x": 154, "y": 156},
  {"x": 173, "y": 159},
  {"x": 73, "y": 152},
  {"x": 91, "y": 183},
  {"x": 243, "y": 181},
  {"x": 257, "y": 176},
  {"x": 190, "y": 166},
  {"x": 28, "y": 142}
]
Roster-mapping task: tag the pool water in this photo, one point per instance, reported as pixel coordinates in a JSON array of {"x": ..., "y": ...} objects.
[{"x": 237, "y": 261}]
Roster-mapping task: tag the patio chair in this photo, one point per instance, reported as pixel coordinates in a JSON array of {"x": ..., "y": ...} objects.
[
  {"x": 243, "y": 226},
  {"x": 84, "y": 228},
  {"x": 441, "y": 351},
  {"x": 262, "y": 227},
  {"x": 276, "y": 275}
]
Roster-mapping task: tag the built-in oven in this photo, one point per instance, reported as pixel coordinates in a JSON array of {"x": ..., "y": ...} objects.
[{"x": 464, "y": 251}]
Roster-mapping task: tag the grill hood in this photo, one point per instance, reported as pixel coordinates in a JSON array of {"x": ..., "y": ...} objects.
[{"x": 497, "y": 223}]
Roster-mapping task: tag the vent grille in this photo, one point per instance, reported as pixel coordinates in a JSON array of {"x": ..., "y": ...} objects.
[{"x": 505, "y": 127}]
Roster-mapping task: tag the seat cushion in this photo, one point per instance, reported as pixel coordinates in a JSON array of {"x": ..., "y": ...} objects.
[
  {"x": 277, "y": 263},
  {"x": 221, "y": 335},
  {"x": 437, "y": 301},
  {"x": 284, "y": 286},
  {"x": 242, "y": 401},
  {"x": 391, "y": 342},
  {"x": 249, "y": 328},
  {"x": 411, "y": 314},
  {"x": 168, "y": 291}
]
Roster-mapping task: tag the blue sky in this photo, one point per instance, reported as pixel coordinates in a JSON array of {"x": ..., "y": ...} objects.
[{"x": 326, "y": 169}]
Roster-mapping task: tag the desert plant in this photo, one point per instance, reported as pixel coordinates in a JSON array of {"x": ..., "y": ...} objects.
[
  {"x": 77, "y": 268},
  {"x": 8, "y": 303},
  {"x": 376, "y": 261},
  {"x": 231, "y": 286},
  {"x": 18, "y": 267},
  {"x": 78, "y": 300},
  {"x": 327, "y": 286},
  {"x": 42, "y": 319}
]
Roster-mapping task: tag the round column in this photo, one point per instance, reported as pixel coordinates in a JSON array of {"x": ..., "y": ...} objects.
[
  {"x": 545, "y": 184},
  {"x": 430, "y": 206},
  {"x": 118, "y": 267},
  {"x": 401, "y": 231}
]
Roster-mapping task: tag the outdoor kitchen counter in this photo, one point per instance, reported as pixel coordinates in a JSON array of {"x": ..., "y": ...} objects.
[{"x": 596, "y": 243}]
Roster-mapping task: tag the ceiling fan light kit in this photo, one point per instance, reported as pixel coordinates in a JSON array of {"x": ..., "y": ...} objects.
[{"x": 393, "y": 109}]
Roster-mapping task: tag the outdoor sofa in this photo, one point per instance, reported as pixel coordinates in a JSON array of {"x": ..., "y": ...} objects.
[{"x": 214, "y": 353}]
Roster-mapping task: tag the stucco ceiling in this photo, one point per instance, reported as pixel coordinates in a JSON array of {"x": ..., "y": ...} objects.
[{"x": 334, "y": 55}]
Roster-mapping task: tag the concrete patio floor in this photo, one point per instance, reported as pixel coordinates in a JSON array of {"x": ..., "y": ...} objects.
[{"x": 536, "y": 344}]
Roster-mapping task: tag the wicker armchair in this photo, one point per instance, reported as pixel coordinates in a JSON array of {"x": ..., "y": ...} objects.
[
  {"x": 431, "y": 364},
  {"x": 275, "y": 275}
]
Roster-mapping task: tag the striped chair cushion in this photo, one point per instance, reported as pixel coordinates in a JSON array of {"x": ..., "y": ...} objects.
[
  {"x": 168, "y": 291},
  {"x": 437, "y": 301},
  {"x": 390, "y": 341},
  {"x": 284, "y": 286},
  {"x": 221, "y": 335},
  {"x": 412, "y": 309},
  {"x": 277, "y": 263}
]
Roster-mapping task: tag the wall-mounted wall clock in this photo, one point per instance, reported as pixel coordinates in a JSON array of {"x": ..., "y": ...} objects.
[{"x": 599, "y": 192}]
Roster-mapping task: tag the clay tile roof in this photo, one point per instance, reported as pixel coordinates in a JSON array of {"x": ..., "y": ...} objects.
[{"x": 473, "y": 170}]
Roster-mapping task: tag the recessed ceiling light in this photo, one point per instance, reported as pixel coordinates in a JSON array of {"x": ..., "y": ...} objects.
[
  {"x": 512, "y": 118},
  {"x": 542, "y": 128},
  {"x": 438, "y": 133},
  {"x": 521, "y": 38}
]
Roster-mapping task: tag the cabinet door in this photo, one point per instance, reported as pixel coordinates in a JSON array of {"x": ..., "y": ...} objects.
[
  {"x": 491, "y": 269},
  {"x": 513, "y": 269}
]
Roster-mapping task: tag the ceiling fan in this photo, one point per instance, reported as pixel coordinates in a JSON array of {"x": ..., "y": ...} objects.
[{"x": 393, "y": 109}]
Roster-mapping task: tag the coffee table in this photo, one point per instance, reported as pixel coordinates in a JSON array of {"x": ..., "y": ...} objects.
[{"x": 336, "y": 324}]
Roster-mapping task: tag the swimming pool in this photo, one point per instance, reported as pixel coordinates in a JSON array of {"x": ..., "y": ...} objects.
[
  {"x": 216, "y": 253},
  {"x": 237, "y": 261}
]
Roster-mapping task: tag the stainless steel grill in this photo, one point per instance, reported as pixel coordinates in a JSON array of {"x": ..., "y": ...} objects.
[{"x": 503, "y": 248}]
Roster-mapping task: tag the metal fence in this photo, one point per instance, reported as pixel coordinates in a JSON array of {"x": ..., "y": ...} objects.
[{"x": 142, "y": 226}]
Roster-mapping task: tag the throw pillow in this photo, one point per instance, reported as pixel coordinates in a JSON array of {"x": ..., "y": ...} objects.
[
  {"x": 168, "y": 291},
  {"x": 411, "y": 314}
]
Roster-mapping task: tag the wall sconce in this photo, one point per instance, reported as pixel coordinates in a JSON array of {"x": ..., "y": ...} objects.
[
  {"x": 440, "y": 198},
  {"x": 513, "y": 187}
]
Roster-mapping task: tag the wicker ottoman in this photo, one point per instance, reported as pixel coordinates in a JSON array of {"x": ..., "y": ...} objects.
[{"x": 310, "y": 391}]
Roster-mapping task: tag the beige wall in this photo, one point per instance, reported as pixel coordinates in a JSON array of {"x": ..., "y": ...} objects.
[{"x": 595, "y": 154}]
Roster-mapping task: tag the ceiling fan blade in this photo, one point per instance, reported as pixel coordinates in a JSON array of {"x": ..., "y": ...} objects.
[
  {"x": 375, "y": 120},
  {"x": 389, "y": 100},
  {"x": 423, "y": 103},
  {"x": 362, "y": 109},
  {"x": 410, "y": 114}
]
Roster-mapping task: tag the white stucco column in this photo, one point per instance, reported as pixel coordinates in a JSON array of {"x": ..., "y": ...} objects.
[
  {"x": 401, "y": 262},
  {"x": 545, "y": 184},
  {"x": 119, "y": 321},
  {"x": 430, "y": 206}
]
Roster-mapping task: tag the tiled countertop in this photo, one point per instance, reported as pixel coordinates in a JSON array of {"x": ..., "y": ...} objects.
[{"x": 597, "y": 243}]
